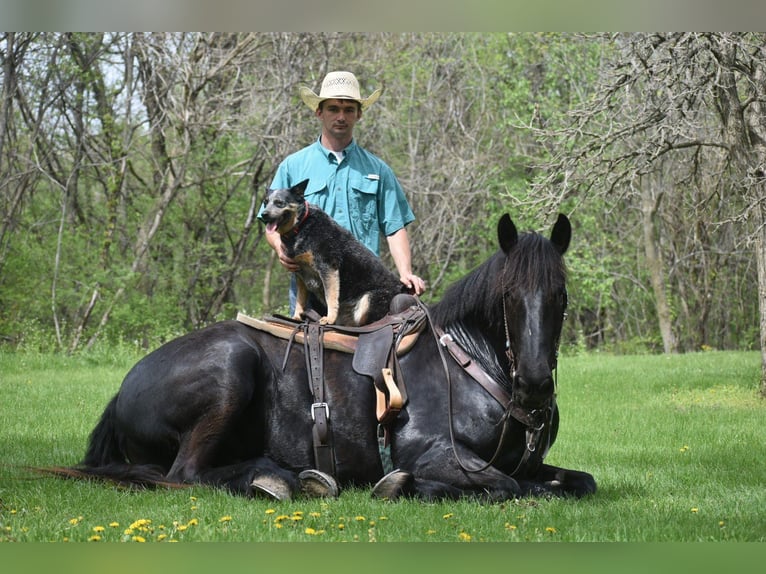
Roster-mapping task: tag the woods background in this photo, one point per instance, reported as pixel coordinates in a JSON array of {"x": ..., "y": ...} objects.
[{"x": 132, "y": 166}]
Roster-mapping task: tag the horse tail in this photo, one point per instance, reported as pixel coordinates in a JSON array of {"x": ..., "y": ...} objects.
[
  {"x": 104, "y": 443},
  {"x": 105, "y": 459}
]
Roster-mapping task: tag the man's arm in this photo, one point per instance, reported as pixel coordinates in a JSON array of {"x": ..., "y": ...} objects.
[
  {"x": 275, "y": 240},
  {"x": 399, "y": 246}
]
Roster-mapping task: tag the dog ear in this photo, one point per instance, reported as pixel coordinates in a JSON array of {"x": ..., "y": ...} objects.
[{"x": 300, "y": 188}]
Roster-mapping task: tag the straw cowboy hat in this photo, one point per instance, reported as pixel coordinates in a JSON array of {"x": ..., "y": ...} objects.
[{"x": 338, "y": 86}]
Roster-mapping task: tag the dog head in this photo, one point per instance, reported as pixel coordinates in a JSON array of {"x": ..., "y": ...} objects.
[{"x": 284, "y": 208}]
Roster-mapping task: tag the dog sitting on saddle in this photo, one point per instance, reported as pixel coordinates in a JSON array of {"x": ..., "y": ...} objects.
[{"x": 349, "y": 279}]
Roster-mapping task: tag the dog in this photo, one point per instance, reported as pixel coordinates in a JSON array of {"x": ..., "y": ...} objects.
[{"x": 349, "y": 279}]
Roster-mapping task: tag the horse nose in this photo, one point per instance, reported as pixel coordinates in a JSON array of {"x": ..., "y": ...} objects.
[{"x": 534, "y": 391}]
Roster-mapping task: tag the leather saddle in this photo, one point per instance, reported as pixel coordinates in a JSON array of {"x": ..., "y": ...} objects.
[{"x": 375, "y": 347}]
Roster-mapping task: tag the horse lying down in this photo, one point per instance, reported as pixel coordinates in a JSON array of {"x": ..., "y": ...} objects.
[{"x": 235, "y": 407}]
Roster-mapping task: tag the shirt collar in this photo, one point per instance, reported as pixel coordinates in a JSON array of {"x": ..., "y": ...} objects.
[{"x": 328, "y": 154}]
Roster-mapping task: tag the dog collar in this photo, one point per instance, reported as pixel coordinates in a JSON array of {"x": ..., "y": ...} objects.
[{"x": 297, "y": 226}]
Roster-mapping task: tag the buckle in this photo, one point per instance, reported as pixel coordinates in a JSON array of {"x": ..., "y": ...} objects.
[{"x": 319, "y": 406}]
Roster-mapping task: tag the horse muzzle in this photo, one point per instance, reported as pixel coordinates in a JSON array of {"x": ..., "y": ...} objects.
[{"x": 533, "y": 392}]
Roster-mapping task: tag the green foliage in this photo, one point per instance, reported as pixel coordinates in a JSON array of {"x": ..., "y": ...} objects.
[{"x": 467, "y": 122}]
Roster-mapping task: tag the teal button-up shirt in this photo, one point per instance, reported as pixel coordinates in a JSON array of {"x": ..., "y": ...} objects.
[{"x": 360, "y": 192}]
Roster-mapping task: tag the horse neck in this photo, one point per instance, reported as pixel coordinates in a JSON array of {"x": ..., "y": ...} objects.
[{"x": 472, "y": 311}]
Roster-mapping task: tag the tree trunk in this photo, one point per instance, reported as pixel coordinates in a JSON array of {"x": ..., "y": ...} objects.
[
  {"x": 649, "y": 206},
  {"x": 760, "y": 254}
]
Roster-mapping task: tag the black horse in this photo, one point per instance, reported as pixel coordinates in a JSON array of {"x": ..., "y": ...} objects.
[{"x": 232, "y": 406}]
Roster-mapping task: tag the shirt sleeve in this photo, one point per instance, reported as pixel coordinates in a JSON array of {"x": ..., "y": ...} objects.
[{"x": 393, "y": 207}]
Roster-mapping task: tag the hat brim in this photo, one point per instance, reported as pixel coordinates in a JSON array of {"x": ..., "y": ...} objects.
[{"x": 312, "y": 100}]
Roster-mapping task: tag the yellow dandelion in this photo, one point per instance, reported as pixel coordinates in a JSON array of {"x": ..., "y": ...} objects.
[
  {"x": 140, "y": 523},
  {"x": 226, "y": 518},
  {"x": 161, "y": 537},
  {"x": 509, "y": 526},
  {"x": 360, "y": 518},
  {"x": 278, "y": 525},
  {"x": 193, "y": 522},
  {"x": 298, "y": 512},
  {"x": 383, "y": 518},
  {"x": 448, "y": 516},
  {"x": 128, "y": 531},
  {"x": 182, "y": 527},
  {"x": 464, "y": 536},
  {"x": 341, "y": 526},
  {"x": 192, "y": 498},
  {"x": 296, "y": 517},
  {"x": 550, "y": 530},
  {"x": 695, "y": 510},
  {"x": 114, "y": 524},
  {"x": 270, "y": 511},
  {"x": 94, "y": 538},
  {"x": 138, "y": 539},
  {"x": 310, "y": 531},
  {"x": 98, "y": 529},
  {"x": 281, "y": 517},
  {"x": 194, "y": 507},
  {"x": 315, "y": 514},
  {"x": 75, "y": 520}
]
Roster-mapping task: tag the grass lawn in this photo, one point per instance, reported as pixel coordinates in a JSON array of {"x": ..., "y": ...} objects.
[{"x": 676, "y": 445}]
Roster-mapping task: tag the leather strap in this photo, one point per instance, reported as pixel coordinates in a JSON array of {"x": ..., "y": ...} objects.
[
  {"x": 324, "y": 455},
  {"x": 470, "y": 367}
]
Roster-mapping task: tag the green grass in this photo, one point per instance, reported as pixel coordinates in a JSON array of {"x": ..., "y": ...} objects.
[{"x": 676, "y": 445}]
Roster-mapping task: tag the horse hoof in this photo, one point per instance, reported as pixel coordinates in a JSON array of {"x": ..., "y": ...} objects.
[
  {"x": 392, "y": 484},
  {"x": 318, "y": 484},
  {"x": 271, "y": 487}
]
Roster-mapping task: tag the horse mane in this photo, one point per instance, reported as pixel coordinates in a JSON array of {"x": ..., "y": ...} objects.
[{"x": 533, "y": 264}]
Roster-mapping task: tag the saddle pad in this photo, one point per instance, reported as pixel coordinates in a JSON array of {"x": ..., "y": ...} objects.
[
  {"x": 332, "y": 340},
  {"x": 335, "y": 341}
]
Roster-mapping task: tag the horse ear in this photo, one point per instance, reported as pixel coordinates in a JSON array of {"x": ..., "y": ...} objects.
[
  {"x": 562, "y": 233},
  {"x": 506, "y": 233},
  {"x": 300, "y": 188}
]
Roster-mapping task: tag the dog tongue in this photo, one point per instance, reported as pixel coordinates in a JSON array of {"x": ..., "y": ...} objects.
[{"x": 271, "y": 227}]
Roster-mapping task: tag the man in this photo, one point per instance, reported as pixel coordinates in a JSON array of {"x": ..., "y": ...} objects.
[{"x": 352, "y": 185}]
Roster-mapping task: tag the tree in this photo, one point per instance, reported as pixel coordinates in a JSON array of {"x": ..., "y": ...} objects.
[{"x": 677, "y": 112}]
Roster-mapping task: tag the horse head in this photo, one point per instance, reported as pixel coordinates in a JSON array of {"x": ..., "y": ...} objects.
[{"x": 534, "y": 304}]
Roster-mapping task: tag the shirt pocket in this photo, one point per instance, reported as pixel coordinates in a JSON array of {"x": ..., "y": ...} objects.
[{"x": 363, "y": 201}]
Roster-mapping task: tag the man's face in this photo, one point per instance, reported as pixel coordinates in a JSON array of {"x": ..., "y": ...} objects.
[{"x": 338, "y": 117}]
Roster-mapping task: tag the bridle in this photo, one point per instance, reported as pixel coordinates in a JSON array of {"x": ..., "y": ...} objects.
[
  {"x": 509, "y": 347},
  {"x": 537, "y": 421}
]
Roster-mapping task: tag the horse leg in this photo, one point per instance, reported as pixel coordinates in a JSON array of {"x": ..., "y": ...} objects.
[
  {"x": 259, "y": 477},
  {"x": 555, "y": 481},
  {"x": 262, "y": 477},
  {"x": 198, "y": 449},
  {"x": 437, "y": 475},
  {"x": 400, "y": 483}
]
